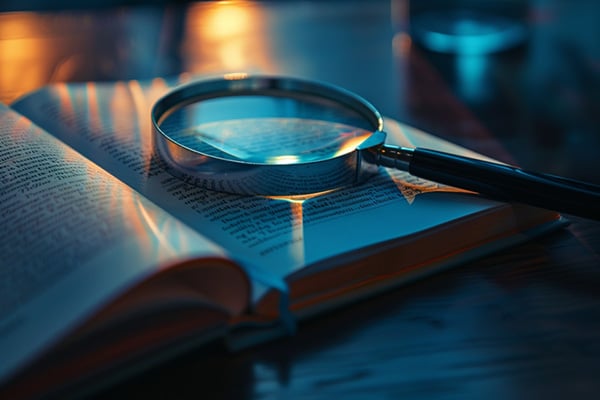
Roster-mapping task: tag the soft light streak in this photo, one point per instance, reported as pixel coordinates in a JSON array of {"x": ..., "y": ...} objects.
[
  {"x": 141, "y": 104},
  {"x": 228, "y": 19},
  {"x": 94, "y": 116},
  {"x": 401, "y": 44},
  {"x": 232, "y": 35},
  {"x": 297, "y": 233},
  {"x": 235, "y": 76},
  {"x": 352, "y": 143},
  {"x": 66, "y": 101},
  {"x": 144, "y": 100},
  {"x": 284, "y": 160},
  {"x": 121, "y": 107},
  {"x": 160, "y": 231},
  {"x": 301, "y": 198}
]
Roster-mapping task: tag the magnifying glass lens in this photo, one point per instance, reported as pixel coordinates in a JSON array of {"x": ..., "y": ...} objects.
[{"x": 267, "y": 129}]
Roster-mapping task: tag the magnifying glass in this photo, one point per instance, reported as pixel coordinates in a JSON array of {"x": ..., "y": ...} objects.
[{"x": 280, "y": 136}]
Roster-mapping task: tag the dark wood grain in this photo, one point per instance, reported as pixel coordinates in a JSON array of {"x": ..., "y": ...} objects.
[{"x": 523, "y": 323}]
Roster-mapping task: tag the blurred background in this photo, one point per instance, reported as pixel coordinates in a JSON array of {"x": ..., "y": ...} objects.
[{"x": 532, "y": 84}]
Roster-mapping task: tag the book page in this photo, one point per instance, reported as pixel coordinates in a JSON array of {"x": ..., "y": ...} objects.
[
  {"x": 272, "y": 237},
  {"x": 72, "y": 237}
]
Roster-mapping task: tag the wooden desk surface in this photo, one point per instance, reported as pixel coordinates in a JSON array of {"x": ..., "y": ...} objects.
[{"x": 524, "y": 323}]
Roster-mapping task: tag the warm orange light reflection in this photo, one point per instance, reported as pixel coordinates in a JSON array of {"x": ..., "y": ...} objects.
[
  {"x": 297, "y": 223},
  {"x": 228, "y": 19},
  {"x": 95, "y": 119},
  {"x": 351, "y": 144},
  {"x": 297, "y": 233},
  {"x": 234, "y": 76},
  {"x": 143, "y": 100},
  {"x": 226, "y": 36},
  {"x": 25, "y": 54},
  {"x": 227, "y": 23},
  {"x": 165, "y": 230},
  {"x": 121, "y": 108},
  {"x": 66, "y": 104},
  {"x": 121, "y": 204},
  {"x": 17, "y": 25},
  {"x": 401, "y": 44},
  {"x": 400, "y": 13},
  {"x": 300, "y": 198}
]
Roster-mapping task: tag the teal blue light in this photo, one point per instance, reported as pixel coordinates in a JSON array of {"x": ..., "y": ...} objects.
[{"x": 466, "y": 32}]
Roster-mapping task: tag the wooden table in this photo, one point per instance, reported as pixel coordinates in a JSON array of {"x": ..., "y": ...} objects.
[{"x": 524, "y": 323}]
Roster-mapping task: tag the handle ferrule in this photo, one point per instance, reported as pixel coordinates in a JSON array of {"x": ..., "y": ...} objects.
[{"x": 395, "y": 157}]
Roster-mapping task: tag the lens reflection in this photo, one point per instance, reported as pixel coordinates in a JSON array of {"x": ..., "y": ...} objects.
[{"x": 267, "y": 129}]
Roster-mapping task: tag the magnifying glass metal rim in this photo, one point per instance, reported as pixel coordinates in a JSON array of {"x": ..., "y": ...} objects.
[{"x": 256, "y": 178}]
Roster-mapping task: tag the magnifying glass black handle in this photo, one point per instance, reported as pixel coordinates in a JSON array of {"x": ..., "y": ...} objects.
[{"x": 499, "y": 181}]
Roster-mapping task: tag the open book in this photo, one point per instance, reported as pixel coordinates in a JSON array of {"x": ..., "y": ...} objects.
[{"x": 109, "y": 262}]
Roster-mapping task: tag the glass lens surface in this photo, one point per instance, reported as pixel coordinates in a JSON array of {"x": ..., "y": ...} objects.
[{"x": 267, "y": 129}]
